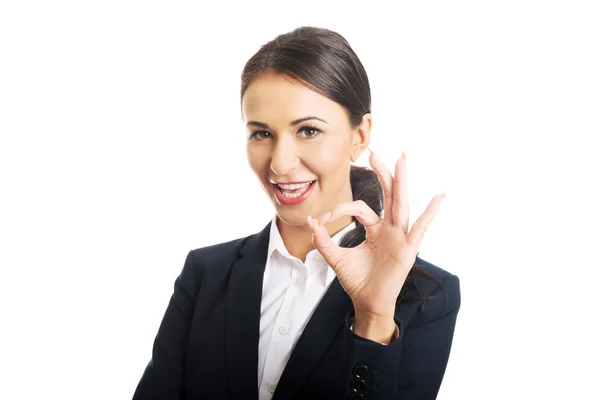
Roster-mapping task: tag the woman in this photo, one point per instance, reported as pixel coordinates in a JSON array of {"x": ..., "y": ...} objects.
[{"x": 329, "y": 300}]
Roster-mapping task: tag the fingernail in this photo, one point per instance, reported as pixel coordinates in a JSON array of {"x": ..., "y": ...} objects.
[
  {"x": 375, "y": 156},
  {"x": 444, "y": 194},
  {"x": 309, "y": 219},
  {"x": 403, "y": 154},
  {"x": 368, "y": 148}
]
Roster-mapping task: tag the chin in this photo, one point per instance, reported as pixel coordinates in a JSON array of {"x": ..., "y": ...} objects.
[{"x": 294, "y": 217}]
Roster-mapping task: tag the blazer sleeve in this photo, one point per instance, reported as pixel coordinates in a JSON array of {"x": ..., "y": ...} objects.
[
  {"x": 412, "y": 366},
  {"x": 163, "y": 376}
]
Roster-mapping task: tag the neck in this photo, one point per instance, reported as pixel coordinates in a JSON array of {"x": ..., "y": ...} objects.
[{"x": 298, "y": 239}]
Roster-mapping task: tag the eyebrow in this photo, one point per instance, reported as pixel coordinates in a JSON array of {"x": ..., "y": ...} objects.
[{"x": 293, "y": 123}]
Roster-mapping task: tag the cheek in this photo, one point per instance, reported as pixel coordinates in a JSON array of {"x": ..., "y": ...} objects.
[
  {"x": 256, "y": 160},
  {"x": 329, "y": 161}
]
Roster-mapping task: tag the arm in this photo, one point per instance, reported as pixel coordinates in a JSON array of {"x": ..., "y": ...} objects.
[
  {"x": 427, "y": 344},
  {"x": 163, "y": 377},
  {"x": 412, "y": 366}
]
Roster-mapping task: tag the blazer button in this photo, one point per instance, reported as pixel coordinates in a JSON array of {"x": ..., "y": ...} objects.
[
  {"x": 357, "y": 385},
  {"x": 355, "y": 396},
  {"x": 360, "y": 371}
]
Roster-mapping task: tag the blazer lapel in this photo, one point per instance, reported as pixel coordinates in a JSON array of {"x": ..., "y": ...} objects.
[
  {"x": 243, "y": 316},
  {"x": 320, "y": 331}
]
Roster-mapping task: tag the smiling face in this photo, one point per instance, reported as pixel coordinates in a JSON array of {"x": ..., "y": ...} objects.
[{"x": 300, "y": 145}]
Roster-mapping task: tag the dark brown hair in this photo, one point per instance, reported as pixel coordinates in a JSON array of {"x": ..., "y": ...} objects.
[{"x": 324, "y": 61}]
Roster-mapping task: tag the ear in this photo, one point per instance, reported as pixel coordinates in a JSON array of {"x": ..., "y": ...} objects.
[{"x": 361, "y": 137}]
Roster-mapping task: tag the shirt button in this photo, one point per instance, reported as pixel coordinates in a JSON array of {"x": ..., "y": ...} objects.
[
  {"x": 300, "y": 280},
  {"x": 272, "y": 388},
  {"x": 283, "y": 330}
]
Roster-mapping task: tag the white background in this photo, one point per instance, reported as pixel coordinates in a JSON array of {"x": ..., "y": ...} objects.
[{"x": 122, "y": 148}]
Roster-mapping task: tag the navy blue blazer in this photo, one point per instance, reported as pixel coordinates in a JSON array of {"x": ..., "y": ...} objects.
[{"x": 207, "y": 344}]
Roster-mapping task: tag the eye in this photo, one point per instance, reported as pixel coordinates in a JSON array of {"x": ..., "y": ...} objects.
[
  {"x": 310, "y": 131},
  {"x": 260, "y": 135}
]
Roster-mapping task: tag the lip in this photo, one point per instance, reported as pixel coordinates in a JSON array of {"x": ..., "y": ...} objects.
[{"x": 288, "y": 201}]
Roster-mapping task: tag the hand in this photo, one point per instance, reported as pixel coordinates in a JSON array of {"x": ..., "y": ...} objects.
[{"x": 374, "y": 272}]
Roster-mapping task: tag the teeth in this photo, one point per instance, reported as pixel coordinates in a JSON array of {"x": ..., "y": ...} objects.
[
  {"x": 291, "y": 195},
  {"x": 293, "y": 190},
  {"x": 294, "y": 186}
]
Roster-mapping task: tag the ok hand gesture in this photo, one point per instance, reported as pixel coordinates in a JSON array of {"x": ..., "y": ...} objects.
[{"x": 374, "y": 272}]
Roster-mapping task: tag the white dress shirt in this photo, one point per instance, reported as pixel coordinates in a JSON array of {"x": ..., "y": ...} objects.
[{"x": 291, "y": 292}]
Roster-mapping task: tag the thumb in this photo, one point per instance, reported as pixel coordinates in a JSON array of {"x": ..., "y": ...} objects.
[{"x": 323, "y": 242}]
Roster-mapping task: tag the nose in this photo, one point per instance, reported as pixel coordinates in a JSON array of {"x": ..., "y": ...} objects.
[{"x": 285, "y": 157}]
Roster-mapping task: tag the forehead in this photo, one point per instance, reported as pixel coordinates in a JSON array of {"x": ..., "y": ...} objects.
[{"x": 277, "y": 98}]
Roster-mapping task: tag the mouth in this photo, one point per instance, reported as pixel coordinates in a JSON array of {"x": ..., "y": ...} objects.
[{"x": 292, "y": 193}]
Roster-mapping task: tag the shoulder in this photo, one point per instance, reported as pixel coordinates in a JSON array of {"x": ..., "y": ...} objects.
[
  {"x": 224, "y": 253},
  {"x": 219, "y": 251},
  {"x": 210, "y": 262},
  {"x": 435, "y": 275},
  {"x": 227, "y": 253},
  {"x": 440, "y": 287}
]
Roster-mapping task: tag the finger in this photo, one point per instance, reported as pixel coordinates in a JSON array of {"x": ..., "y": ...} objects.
[
  {"x": 323, "y": 242},
  {"x": 417, "y": 232},
  {"x": 386, "y": 181},
  {"x": 400, "y": 206},
  {"x": 358, "y": 208}
]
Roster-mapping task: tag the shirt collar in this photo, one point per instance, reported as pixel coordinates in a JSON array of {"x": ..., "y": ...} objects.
[{"x": 276, "y": 243}]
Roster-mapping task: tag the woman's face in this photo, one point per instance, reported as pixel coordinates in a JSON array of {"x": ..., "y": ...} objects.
[{"x": 300, "y": 145}]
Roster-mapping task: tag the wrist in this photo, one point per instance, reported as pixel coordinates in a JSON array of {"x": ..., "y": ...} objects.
[{"x": 378, "y": 328}]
